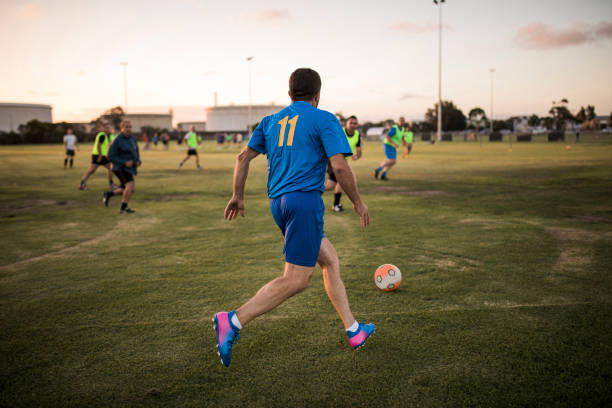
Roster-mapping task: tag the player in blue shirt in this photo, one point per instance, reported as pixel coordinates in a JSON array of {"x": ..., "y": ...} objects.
[{"x": 298, "y": 141}]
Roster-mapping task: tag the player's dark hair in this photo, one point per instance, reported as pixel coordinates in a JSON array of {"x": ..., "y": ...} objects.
[
  {"x": 304, "y": 84},
  {"x": 351, "y": 117}
]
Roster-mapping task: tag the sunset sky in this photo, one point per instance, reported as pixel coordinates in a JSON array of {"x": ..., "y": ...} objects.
[{"x": 377, "y": 60}]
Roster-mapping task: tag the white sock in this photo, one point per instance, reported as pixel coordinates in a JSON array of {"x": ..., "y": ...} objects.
[
  {"x": 354, "y": 327},
  {"x": 236, "y": 322}
]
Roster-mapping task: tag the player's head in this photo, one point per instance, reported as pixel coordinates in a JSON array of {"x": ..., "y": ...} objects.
[
  {"x": 305, "y": 85},
  {"x": 69, "y": 131},
  {"x": 401, "y": 121},
  {"x": 105, "y": 126},
  {"x": 192, "y": 128},
  {"x": 351, "y": 123},
  {"x": 126, "y": 127}
]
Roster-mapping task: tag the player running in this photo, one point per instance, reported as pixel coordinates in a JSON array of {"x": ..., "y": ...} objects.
[
  {"x": 392, "y": 143},
  {"x": 99, "y": 157},
  {"x": 70, "y": 143},
  {"x": 298, "y": 141},
  {"x": 354, "y": 140},
  {"x": 125, "y": 158},
  {"x": 408, "y": 139},
  {"x": 193, "y": 141}
]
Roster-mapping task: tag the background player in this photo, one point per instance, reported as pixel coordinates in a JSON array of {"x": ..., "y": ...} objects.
[
  {"x": 70, "y": 143},
  {"x": 125, "y": 157},
  {"x": 390, "y": 146},
  {"x": 99, "y": 157},
  {"x": 193, "y": 141},
  {"x": 299, "y": 141},
  {"x": 354, "y": 139},
  {"x": 408, "y": 139}
]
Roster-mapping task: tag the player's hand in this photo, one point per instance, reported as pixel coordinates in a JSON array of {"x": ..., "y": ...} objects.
[
  {"x": 129, "y": 163},
  {"x": 234, "y": 206},
  {"x": 138, "y": 163},
  {"x": 362, "y": 210}
]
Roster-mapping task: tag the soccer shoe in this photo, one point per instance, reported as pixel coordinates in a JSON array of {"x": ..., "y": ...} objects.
[
  {"x": 338, "y": 208},
  {"x": 128, "y": 210},
  {"x": 385, "y": 178},
  {"x": 113, "y": 186},
  {"x": 376, "y": 173},
  {"x": 200, "y": 168},
  {"x": 105, "y": 198},
  {"x": 358, "y": 337},
  {"x": 82, "y": 187},
  {"x": 227, "y": 334}
]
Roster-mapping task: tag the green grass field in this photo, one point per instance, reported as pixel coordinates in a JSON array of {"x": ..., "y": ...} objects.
[{"x": 505, "y": 301}]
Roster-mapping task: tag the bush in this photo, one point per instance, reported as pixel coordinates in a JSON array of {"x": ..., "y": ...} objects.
[
  {"x": 496, "y": 137},
  {"x": 556, "y": 136},
  {"x": 523, "y": 137}
]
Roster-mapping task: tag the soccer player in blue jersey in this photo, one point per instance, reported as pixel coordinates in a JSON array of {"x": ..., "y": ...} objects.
[
  {"x": 391, "y": 143},
  {"x": 298, "y": 141}
]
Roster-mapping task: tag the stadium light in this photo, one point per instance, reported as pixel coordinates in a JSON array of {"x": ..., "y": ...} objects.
[
  {"x": 492, "y": 71},
  {"x": 439, "y": 4},
  {"x": 124, "y": 65},
  {"x": 249, "y": 59}
]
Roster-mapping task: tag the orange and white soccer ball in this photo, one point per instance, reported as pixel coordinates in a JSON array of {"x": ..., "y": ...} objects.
[{"x": 388, "y": 277}]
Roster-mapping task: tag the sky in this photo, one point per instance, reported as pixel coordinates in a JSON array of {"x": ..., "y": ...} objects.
[{"x": 377, "y": 60}]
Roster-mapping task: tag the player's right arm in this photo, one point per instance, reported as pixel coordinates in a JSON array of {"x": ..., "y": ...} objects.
[
  {"x": 345, "y": 177},
  {"x": 241, "y": 171},
  {"x": 388, "y": 137}
]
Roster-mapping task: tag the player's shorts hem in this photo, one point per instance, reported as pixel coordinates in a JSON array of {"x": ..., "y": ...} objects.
[
  {"x": 192, "y": 152},
  {"x": 69, "y": 152},
  {"x": 103, "y": 162},
  {"x": 124, "y": 177},
  {"x": 302, "y": 262},
  {"x": 390, "y": 151}
]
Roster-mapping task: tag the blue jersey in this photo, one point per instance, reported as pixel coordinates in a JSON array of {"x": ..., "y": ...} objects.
[{"x": 298, "y": 140}]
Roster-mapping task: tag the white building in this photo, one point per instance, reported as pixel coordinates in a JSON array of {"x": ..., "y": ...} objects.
[
  {"x": 14, "y": 114},
  {"x": 199, "y": 126},
  {"x": 156, "y": 120},
  {"x": 234, "y": 118}
]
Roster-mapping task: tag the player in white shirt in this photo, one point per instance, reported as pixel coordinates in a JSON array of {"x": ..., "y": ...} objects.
[{"x": 70, "y": 143}]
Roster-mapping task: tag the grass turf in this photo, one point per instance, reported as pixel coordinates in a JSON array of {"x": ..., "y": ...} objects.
[{"x": 505, "y": 300}]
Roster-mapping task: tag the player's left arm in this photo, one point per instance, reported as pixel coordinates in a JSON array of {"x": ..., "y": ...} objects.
[
  {"x": 241, "y": 171},
  {"x": 357, "y": 154}
]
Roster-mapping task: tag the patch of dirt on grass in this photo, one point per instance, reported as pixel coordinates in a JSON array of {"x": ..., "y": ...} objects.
[
  {"x": 172, "y": 197},
  {"x": 406, "y": 191},
  {"x": 126, "y": 226},
  {"x": 574, "y": 255},
  {"x": 28, "y": 204},
  {"x": 439, "y": 263},
  {"x": 590, "y": 218}
]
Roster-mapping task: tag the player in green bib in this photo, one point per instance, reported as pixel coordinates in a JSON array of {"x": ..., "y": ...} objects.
[
  {"x": 392, "y": 142},
  {"x": 408, "y": 139},
  {"x": 354, "y": 139},
  {"x": 193, "y": 140},
  {"x": 99, "y": 154}
]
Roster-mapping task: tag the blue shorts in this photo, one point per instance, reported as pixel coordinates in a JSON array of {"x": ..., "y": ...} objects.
[
  {"x": 390, "y": 151},
  {"x": 299, "y": 215}
]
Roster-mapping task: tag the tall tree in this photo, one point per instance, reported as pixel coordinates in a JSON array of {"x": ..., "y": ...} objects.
[
  {"x": 534, "y": 120},
  {"x": 560, "y": 114},
  {"x": 452, "y": 117},
  {"x": 590, "y": 112}
]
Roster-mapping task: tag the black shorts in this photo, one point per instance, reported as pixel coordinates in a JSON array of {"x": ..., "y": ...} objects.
[
  {"x": 330, "y": 173},
  {"x": 165, "y": 142},
  {"x": 94, "y": 160},
  {"x": 124, "y": 177},
  {"x": 192, "y": 152},
  {"x": 69, "y": 152}
]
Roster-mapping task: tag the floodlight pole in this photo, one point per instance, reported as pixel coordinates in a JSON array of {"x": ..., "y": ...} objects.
[
  {"x": 124, "y": 65},
  {"x": 439, "y": 4},
  {"x": 249, "y": 59},
  {"x": 492, "y": 71}
]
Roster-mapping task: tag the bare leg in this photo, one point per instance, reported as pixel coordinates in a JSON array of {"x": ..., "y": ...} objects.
[
  {"x": 294, "y": 280},
  {"x": 184, "y": 160},
  {"x": 91, "y": 170},
  {"x": 330, "y": 264},
  {"x": 197, "y": 160},
  {"x": 110, "y": 174},
  {"x": 338, "y": 188},
  {"x": 127, "y": 192},
  {"x": 330, "y": 184},
  {"x": 388, "y": 164}
]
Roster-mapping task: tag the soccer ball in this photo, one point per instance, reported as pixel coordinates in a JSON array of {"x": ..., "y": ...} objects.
[{"x": 388, "y": 277}]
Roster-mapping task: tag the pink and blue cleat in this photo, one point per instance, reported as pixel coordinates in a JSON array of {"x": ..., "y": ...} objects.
[
  {"x": 358, "y": 337},
  {"x": 227, "y": 334}
]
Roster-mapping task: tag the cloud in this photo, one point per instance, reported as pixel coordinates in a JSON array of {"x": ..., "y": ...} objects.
[
  {"x": 269, "y": 16},
  {"x": 30, "y": 11},
  {"x": 409, "y": 95},
  {"x": 540, "y": 36},
  {"x": 414, "y": 28}
]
